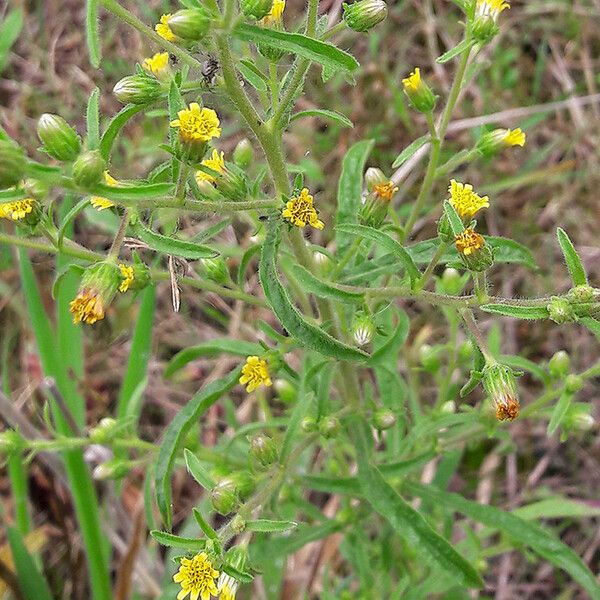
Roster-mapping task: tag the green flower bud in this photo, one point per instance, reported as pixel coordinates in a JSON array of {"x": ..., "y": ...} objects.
[
  {"x": 580, "y": 420},
  {"x": 452, "y": 283},
  {"x": 473, "y": 250},
  {"x": 273, "y": 20},
  {"x": 11, "y": 441},
  {"x": 448, "y": 408},
  {"x": 104, "y": 432},
  {"x": 112, "y": 469},
  {"x": 232, "y": 183},
  {"x": 13, "y": 163},
  {"x": 561, "y": 311},
  {"x": 216, "y": 269},
  {"x": 500, "y": 386},
  {"x": 363, "y": 329},
  {"x": 493, "y": 142},
  {"x": 263, "y": 448},
  {"x": 137, "y": 89},
  {"x": 242, "y": 482},
  {"x": 581, "y": 293},
  {"x": 465, "y": 351},
  {"x": 190, "y": 23},
  {"x": 243, "y": 155},
  {"x": 573, "y": 383},
  {"x": 377, "y": 203},
  {"x": 286, "y": 392},
  {"x": 309, "y": 425},
  {"x": 384, "y": 419},
  {"x": 329, "y": 427},
  {"x": 59, "y": 139},
  {"x": 430, "y": 358},
  {"x": 238, "y": 524},
  {"x": 484, "y": 26},
  {"x": 364, "y": 14},
  {"x": 256, "y": 8},
  {"x": 418, "y": 92},
  {"x": 98, "y": 287},
  {"x": 559, "y": 364},
  {"x": 224, "y": 498},
  {"x": 88, "y": 169}
]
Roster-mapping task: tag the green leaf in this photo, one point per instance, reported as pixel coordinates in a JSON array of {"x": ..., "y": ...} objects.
[
  {"x": 304, "y": 534},
  {"x": 509, "y": 251},
  {"x": 455, "y": 221},
  {"x": 557, "y": 507},
  {"x": 518, "y": 312},
  {"x": 92, "y": 34},
  {"x": 11, "y": 195},
  {"x": 409, "y": 151},
  {"x": 574, "y": 264},
  {"x": 298, "y": 44},
  {"x": 253, "y": 75},
  {"x": 69, "y": 218},
  {"x": 168, "y": 245},
  {"x": 390, "y": 348},
  {"x": 387, "y": 242},
  {"x": 197, "y": 471},
  {"x": 211, "y": 349},
  {"x": 350, "y": 189},
  {"x": 406, "y": 521},
  {"x": 307, "y": 334},
  {"x": 93, "y": 121},
  {"x": 244, "y": 262},
  {"x": 322, "y": 289},
  {"x": 127, "y": 192},
  {"x": 203, "y": 524},
  {"x": 114, "y": 127},
  {"x": 175, "y": 541},
  {"x": 10, "y": 29},
  {"x": 176, "y": 432},
  {"x": 560, "y": 410},
  {"x": 242, "y": 576},
  {"x": 538, "y": 539},
  {"x": 268, "y": 526},
  {"x": 325, "y": 114},
  {"x": 31, "y": 581},
  {"x": 461, "y": 47},
  {"x": 592, "y": 324}
]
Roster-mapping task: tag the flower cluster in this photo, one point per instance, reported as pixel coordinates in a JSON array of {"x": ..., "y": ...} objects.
[
  {"x": 300, "y": 211},
  {"x": 255, "y": 373},
  {"x": 17, "y": 210},
  {"x": 197, "y": 577},
  {"x": 197, "y": 124},
  {"x": 215, "y": 163},
  {"x": 158, "y": 64},
  {"x": 466, "y": 202}
]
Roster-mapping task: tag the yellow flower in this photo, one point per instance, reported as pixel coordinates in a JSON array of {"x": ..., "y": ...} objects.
[
  {"x": 158, "y": 64},
  {"x": 127, "y": 273},
  {"x": 100, "y": 203},
  {"x": 197, "y": 124},
  {"x": 385, "y": 191},
  {"x": 300, "y": 211},
  {"x": 514, "y": 137},
  {"x": 16, "y": 210},
  {"x": 466, "y": 202},
  {"x": 87, "y": 307},
  {"x": 275, "y": 14},
  {"x": 227, "y": 587},
  {"x": 490, "y": 8},
  {"x": 197, "y": 578},
  {"x": 255, "y": 373},
  {"x": 164, "y": 30},
  {"x": 413, "y": 81},
  {"x": 216, "y": 163},
  {"x": 469, "y": 241}
]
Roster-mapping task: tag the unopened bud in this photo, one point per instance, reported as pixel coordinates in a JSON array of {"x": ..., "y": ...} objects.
[
  {"x": 384, "y": 419},
  {"x": 364, "y": 14},
  {"x": 264, "y": 449},
  {"x": 309, "y": 425},
  {"x": 11, "y": 441},
  {"x": 216, "y": 269},
  {"x": 492, "y": 142},
  {"x": 559, "y": 365},
  {"x": 243, "y": 155},
  {"x": 560, "y": 310},
  {"x": 256, "y": 8},
  {"x": 137, "y": 89},
  {"x": 59, "y": 139},
  {"x": 243, "y": 483},
  {"x": 286, "y": 392},
  {"x": 573, "y": 383},
  {"x": 112, "y": 469},
  {"x": 430, "y": 358},
  {"x": 190, "y": 23},
  {"x": 373, "y": 177},
  {"x": 484, "y": 26},
  {"x": 238, "y": 524},
  {"x": 452, "y": 282},
  {"x": 466, "y": 350},
  {"x": 418, "y": 92},
  {"x": 499, "y": 384},
  {"x": 223, "y": 497},
  {"x": 88, "y": 169},
  {"x": 582, "y": 421},
  {"x": 329, "y": 427},
  {"x": 13, "y": 163},
  {"x": 104, "y": 432},
  {"x": 448, "y": 408},
  {"x": 363, "y": 329}
]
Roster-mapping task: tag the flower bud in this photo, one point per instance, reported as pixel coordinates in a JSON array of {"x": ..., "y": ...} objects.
[
  {"x": 243, "y": 155},
  {"x": 134, "y": 277},
  {"x": 232, "y": 183},
  {"x": 137, "y": 89},
  {"x": 560, "y": 310},
  {"x": 99, "y": 285},
  {"x": 59, "y": 139},
  {"x": 452, "y": 283},
  {"x": 309, "y": 425},
  {"x": 13, "y": 163},
  {"x": 573, "y": 383},
  {"x": 465, "y": 351},
  {"x": 373, "y": 177},
  {"x": 256, "y": 8},
  {"x": 329, "y": 427},
  {"x": 473, "y": 250},
  {"x": 418, "y": 92},
  {"x": 430, "y": 358},
  {"x": 273, "y": 20},
  {"x": 377, "y": 203},
  {"x": 242, "y": 482},
  {"x": 581, "y": 293},
  {"x": 223, "y": 497},
  {"x": 112, "y": 469},
  {"x": 559, "y": 365},
  {"x": 484, "y": 26},
  {"x": 580, "y": 420},
  {"x": 448, "y": 408},
  {"x": 363, "y": 329},
  {"x": 364, "y": 14},
  {"x": 24, "y": 212},
  {"x": 88, "y": 169},
  {"x": 285, "y": 391},
  {"x": 238, "y": 524},
  {"x": 263, "y": 448},
  {"x": 493, "y": 142},
  {"x": 499, "y": 384},
  {"x": 384, "y": 419},
  {"x": 11, "y": 441},
  {"x": 190, "y": 23},
  {"x": 216, "y": 269},
  {"x": 104, "y": 432}
]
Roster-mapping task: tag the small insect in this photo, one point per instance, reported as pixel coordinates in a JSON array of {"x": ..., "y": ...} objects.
[
  {"x": 210, "y": 68},
  {"x": 174, "y": 60}
]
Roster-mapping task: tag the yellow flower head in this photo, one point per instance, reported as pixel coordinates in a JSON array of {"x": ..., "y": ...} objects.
[
  {"x": 385, "y": 191},
  {"x": 413, "y": 82},
  {"x": 164, "y": 30},
  {"x": 227, "y": 587},
  {"x": 275, "y": 14},
  {"x": 300, "y": 211},
  {"x": 100, "y": 203},
  {"x": 127, "y": 273},
  {"x": 255, "y": 373},
  {"x": 197, "y": 124},
  {"x": 197, "y": 577},
  {"x": 158, "y": 64},
  {"x": 16, "y": 210},
  {"x": 87, "y": 307},
  {"x": 490, "y": 8},
  {"x": 514, "y": 137},
  {"x": 216, "y": 163},
  {"x": 466, "y": 202},
  {"x": 469, "y": 241}
]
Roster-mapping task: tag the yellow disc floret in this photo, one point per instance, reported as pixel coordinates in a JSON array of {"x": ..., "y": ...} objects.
[
  {"x": 275, "y": 14},
  {"x": 413, "y": 81},
  {"x": 163, "y": 29},
  {"x": 514, "y": 137},
  {"x": 466, "y": 202},
  {"x": 87, "y": 307},
  {"x": 127, "y": 273},
  {"x": 197, "y": 577},
  {"x": 157, "y": 64},
  {"x": 385, "y": 191},
  {"x": 300, "y": 211},
  {"x": 490, "y": 8},
  {"x": 469, "y": 241},
  {"x": 100, "y": 203},
  {"x": 17, "y": 210},
  {"x": 197, "y": 124},
  {"x": 255, "y": 373},
  {"x": 216, "y": 163}
]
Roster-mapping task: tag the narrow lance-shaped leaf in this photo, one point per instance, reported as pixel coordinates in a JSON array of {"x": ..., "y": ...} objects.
[
  {"x": 168, "y": 245},
  {"x": 409, "y": 151},
  {"x": 322, "y": 289},
  {"x": 455, "y": 221},
  {"x": 325, "y": 114},
  {"x": 114, "y": 127},
  {"x": 176, "y": 541},
  {"x": 559, "y": 411},
  {"x": 518, "y": 312},
  {"x": 93, "y": 120},
  {"x": 307, "y": 334},
  {"x": 574, "y": 264},
  {"x": 268, "y": 526},
  {"x": 92, "y": 34}
]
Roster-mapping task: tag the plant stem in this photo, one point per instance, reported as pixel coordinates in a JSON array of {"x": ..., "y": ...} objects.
[
  {"x": 115, "y": 248},
  {"x": 472, "y": 326},
  {"x": 432, "y": 265}
]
